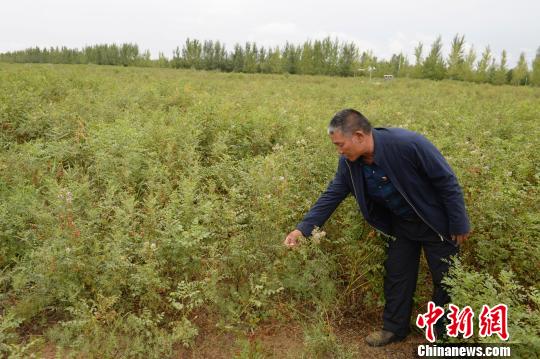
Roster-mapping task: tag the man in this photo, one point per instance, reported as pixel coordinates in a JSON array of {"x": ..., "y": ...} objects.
[{"x": 405, "y": 189}]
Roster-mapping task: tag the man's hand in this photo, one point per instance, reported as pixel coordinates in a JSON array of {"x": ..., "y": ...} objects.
[
  {"x": 460, "y": 238},
  {"x": 292, "y": 238}
]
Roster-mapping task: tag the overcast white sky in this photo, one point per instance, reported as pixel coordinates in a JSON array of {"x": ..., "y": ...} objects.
[{"x": 384, "y": 26}]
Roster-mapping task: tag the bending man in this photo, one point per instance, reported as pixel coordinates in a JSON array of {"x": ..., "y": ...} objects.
[{"x": 404, "y": 188}]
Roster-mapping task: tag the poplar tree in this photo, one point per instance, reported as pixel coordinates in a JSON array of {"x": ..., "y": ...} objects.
[
  {"x": 250, "y": 58},
  {"x": 307, "y": 65},
  {"x": 318, "y": 58},
  {"x": 468, "y": 65},
  {"x": 192, "y": 54},
  {"x": 330, "y": 50},
  {"x": 176, "y": 61},
  {"x": 348, "y": 58},
  {"x": 535, "y": 76},
  {"x": 207, "y": 55},
  {"x": 492, "y": 69},
  {"x": 291, "y": 58},
  {"x": 483, "y": 64},
  {"x": 162, "y": 60},
  {"x": 129, "y": 54},
  {"x": 418, "y": 57},
  {"x": 520, "y": 73},
  {"x": 220, "y": 57},
  {"x": 145, "y": 59},
  {"x": 274, "y": 61},
  {"x": 398, "y": 64},
  {"x": 237, "y": 58},
  {"x": 456, "y": 58},
  {"x": 434, "y": 67},
  {"x": 261, "y": 59},
  {"x": 500, "y": 77}
]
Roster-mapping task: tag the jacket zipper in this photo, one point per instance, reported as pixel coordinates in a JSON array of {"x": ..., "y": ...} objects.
[
  {"x": 426, "y": 222},
  {"x": 418, "y": 214},
  {"x": 407, "y": 200}
]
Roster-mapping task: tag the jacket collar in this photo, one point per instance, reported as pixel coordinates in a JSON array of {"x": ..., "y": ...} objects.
[{"x": 378, "y": 146}]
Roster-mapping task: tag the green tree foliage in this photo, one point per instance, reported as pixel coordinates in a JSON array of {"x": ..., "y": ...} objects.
[
  {"x": 535, "y": 75},
  {"x": 291, "y": 58},
  {"x": 261, "y": 58},
  {"x": 273, "y": 61},
  {"x": 192, "y": 54},
  {"x": 418, "y": 60},
  {"x": 237, "y": 58},
  {"x": 208, "y": 58},
  {"x": 129, "y": 54},
  {"x": 307, "y": 59},
  {"x": 125, "y": 54},
  {"x": 520, "y": 73},
  {"x": 347, "y": 60},
  {"x": 314, "y": 57},
  {"x": 145, "y": 60},
  {"x": 163, "y": 61},
  {"x": 456, "y": 60},
  {"x": 434, "y": 66},
  {"x": 250, "y": 58},
  {"x": 318, "y": 57},
  {"x": 330, "y": 50},
  {"x": 500, "y": 77},
  {"x": 368, "y": 62},
  {"x": 176, "y": 61},
  {"x": 469, "y": 65},
  {"x": 398, "y": 64},
  {"x": 482, "y": 74},
  {"x": 492, "y": 70},
  {"x": 418, "y": 57}
]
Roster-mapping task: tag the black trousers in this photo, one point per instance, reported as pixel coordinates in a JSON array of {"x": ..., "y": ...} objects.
[{"x": 403, "y": 258}]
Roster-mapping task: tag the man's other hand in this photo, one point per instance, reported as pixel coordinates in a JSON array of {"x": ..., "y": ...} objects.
[
  {"x": 460, "y": 238},
  {"x": 292, "y": 238}
]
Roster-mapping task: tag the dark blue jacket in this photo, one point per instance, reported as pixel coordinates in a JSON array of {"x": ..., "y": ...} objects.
[{"x": 418, "y": 171}]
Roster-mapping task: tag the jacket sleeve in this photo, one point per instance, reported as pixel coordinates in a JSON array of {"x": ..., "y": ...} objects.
[
  {"x": 445, "y": 182},
  {"x": 329, "y": 200}
]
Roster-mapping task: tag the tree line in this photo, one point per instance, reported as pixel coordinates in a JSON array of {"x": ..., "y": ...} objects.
[
  {"x": 314, "y": 57},
  {"x": 105, "y": 54}
]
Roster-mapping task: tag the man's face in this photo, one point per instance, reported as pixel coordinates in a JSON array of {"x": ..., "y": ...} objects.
[{"x": 350, "y": 146}]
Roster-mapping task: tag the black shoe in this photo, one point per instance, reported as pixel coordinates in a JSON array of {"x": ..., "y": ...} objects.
[{"x": 382, "y": 337}]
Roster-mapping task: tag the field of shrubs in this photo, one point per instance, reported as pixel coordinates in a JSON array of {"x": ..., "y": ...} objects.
[{"x": 139, "y": 206}]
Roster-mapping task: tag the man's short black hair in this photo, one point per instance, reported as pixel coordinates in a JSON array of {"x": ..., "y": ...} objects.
[{"x": 349, "y": 121}]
